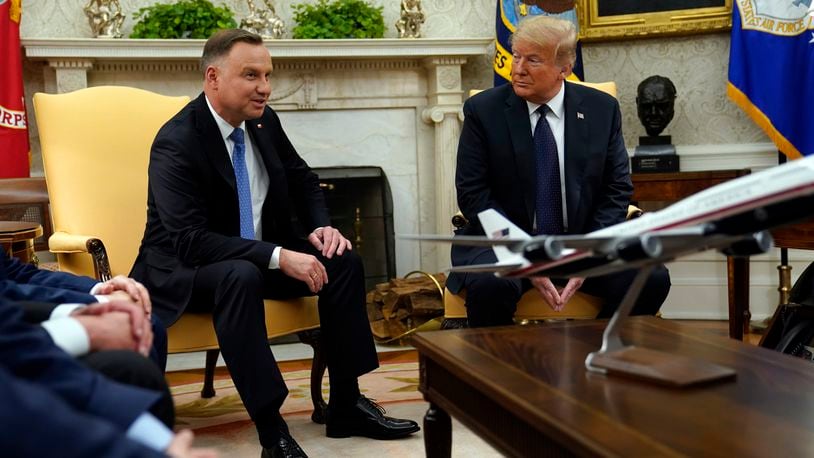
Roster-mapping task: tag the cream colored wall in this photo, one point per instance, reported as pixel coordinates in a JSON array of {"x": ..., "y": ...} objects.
[
  {"x": 65, "y": 19},
  {"x": 445, "y": 18},
  {"x": 697, "y": 65},
  {"x": 709, "y": 130}
]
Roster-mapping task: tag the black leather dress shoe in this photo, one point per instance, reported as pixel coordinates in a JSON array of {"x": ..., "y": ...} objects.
[
  {"x": 286, "y": 447},
  {"x": 367, "y": 419}
]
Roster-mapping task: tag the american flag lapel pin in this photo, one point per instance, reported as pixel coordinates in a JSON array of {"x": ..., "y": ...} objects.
[{"x": 580, "y": 115}]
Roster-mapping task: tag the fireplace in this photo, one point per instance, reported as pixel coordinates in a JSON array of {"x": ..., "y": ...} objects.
[{"x": 361, "y": 207}]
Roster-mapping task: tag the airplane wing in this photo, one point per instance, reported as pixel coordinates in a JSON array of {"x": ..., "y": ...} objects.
[
  {"x": 493, "y": 268},
  {"x": 513, "y": 244},
  {"x": 733, "y": 215}
]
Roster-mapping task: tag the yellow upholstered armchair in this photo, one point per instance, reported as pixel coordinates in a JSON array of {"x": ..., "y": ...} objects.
[
  {"x": 96, "y": 148},
  {"x": 531, "y": 306}
]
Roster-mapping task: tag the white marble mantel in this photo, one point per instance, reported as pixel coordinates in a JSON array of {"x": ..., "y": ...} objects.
[
  {"x": 133, "y": 49},
  {"x": 392, "y": 103}
]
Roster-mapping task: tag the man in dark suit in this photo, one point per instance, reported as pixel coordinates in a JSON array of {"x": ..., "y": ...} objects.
[
  {"x": 549, "y": 155},
  {"x": 112, "y": 338},
  {"x": 44, "y": 294},
  {"x": 52, "y": 405},
  {"x": 63, "y": 287},
  {"x": 224, "y": 184}
]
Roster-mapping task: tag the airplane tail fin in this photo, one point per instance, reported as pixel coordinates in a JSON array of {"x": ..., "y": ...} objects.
[{"x": 497, "y": 226}]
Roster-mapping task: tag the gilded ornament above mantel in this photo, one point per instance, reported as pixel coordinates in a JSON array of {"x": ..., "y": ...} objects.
[
  {"x": 263, "y": 21},
  {"x": 410, "y": 20},
  {"x": 105, "y": 18}
]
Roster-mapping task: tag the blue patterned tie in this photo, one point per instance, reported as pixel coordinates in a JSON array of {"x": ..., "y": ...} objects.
[
  {"x": 244, "y": 192},
  {"x": 549, "y": 193}
]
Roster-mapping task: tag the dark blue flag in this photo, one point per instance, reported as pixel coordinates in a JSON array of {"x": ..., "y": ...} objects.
[{"x": 771, "y": 69}]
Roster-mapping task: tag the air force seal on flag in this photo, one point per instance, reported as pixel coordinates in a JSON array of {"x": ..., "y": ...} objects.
[
  {"x": 777, "y": 17},
  {"x": 770, "y": 69}
]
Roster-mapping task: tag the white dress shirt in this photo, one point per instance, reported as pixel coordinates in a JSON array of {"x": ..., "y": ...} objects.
[{"x": 258, "y": 177}]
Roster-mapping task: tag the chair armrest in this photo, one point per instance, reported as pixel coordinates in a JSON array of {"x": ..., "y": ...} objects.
[
  {"x": 65, "y": 243},
  {"x": 459, "y": 220},
  {"x": 633, "y": 212}
]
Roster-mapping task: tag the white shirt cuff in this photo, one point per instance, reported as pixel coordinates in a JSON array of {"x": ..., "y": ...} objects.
[
  {"x": 101, "y": 299},
  {"x": 148, "y": 430},
  {"x": 274, "y": 262},
  {"x": 64, "y": 310},
  {"x": 95, "y": 289},
  {"x": 69, "y": 335}
]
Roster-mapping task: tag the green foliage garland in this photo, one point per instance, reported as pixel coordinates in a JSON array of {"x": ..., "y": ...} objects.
[
  {"x": 182, "y": 19},
  {"x": 338, "y": 19}
]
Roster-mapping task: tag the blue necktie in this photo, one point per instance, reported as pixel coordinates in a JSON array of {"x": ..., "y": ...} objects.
[
  {"x": 549, "y": 193},
  {"x": 244, "y": 192}
]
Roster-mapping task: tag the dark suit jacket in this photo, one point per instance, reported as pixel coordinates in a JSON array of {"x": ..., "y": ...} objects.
[
  {"x": 192, "y": 205},
  {"x": 32, "y": 364},
  {"x": 38, "y": 292},
  {"x": 496, "y": 163},
  {"x": 38, "y": 423},
  {"x": 25, "y": 282}
]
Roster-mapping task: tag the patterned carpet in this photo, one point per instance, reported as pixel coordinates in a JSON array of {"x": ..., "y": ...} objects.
[
  {"x": 222, "y": 423},
  {"x": 396, "y": 380}
]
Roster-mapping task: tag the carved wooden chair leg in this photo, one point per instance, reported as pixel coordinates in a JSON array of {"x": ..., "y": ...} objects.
[
  {"x": 454, "y": 323},
  {"x": 313, "y": 338},
  {"x": 208, "y": 390}
]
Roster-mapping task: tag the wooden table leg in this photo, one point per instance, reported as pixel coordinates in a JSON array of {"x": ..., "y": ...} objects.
[
  {"x": 437, "y": 433},
  {"x": 737, "y": 270}
]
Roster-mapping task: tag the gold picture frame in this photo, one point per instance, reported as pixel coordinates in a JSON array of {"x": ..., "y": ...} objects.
[{"x": 601, "y": 20}]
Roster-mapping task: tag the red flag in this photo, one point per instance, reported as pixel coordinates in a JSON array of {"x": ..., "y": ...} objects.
[{"x": 14, "y": 149}]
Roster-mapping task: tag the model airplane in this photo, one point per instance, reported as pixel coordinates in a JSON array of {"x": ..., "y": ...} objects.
[{"x": 733, "y": 216}]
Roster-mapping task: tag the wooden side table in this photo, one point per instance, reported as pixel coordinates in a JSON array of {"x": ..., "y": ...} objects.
[
  {"x": 17, "y": 239},
  {"x": 671, "y": 187}
]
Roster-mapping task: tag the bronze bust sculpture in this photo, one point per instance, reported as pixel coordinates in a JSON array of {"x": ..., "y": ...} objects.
[{"x": 655, "y": 103}]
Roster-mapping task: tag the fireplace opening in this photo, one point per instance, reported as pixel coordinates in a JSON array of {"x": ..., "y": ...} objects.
[{"x": 361, "y": 207}]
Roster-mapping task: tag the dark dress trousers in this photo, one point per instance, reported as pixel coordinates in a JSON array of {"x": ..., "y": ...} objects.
[
  {"x": 496, "y": 169},
  {"x": 193, "y": 258}
]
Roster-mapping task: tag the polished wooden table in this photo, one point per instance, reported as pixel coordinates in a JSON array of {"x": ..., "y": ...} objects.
[
  {"x": 17, "y": 238},
  {"x": 799, "y": 236},
  {"x": 671, "y": 187},
  {"x": 526, "y": 391}
]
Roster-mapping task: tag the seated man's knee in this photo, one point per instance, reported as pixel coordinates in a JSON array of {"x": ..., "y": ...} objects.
[
  {"x": 243, "y": 273},
  {"x": 348, "y": 258},
  {"x": 654, "y": 292},
  {"x": 490, "y": 300},
  {"x": 493, "y": 288},
  {"x": 658, "y": 284},
  {"x": 348, "y": 267}
]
